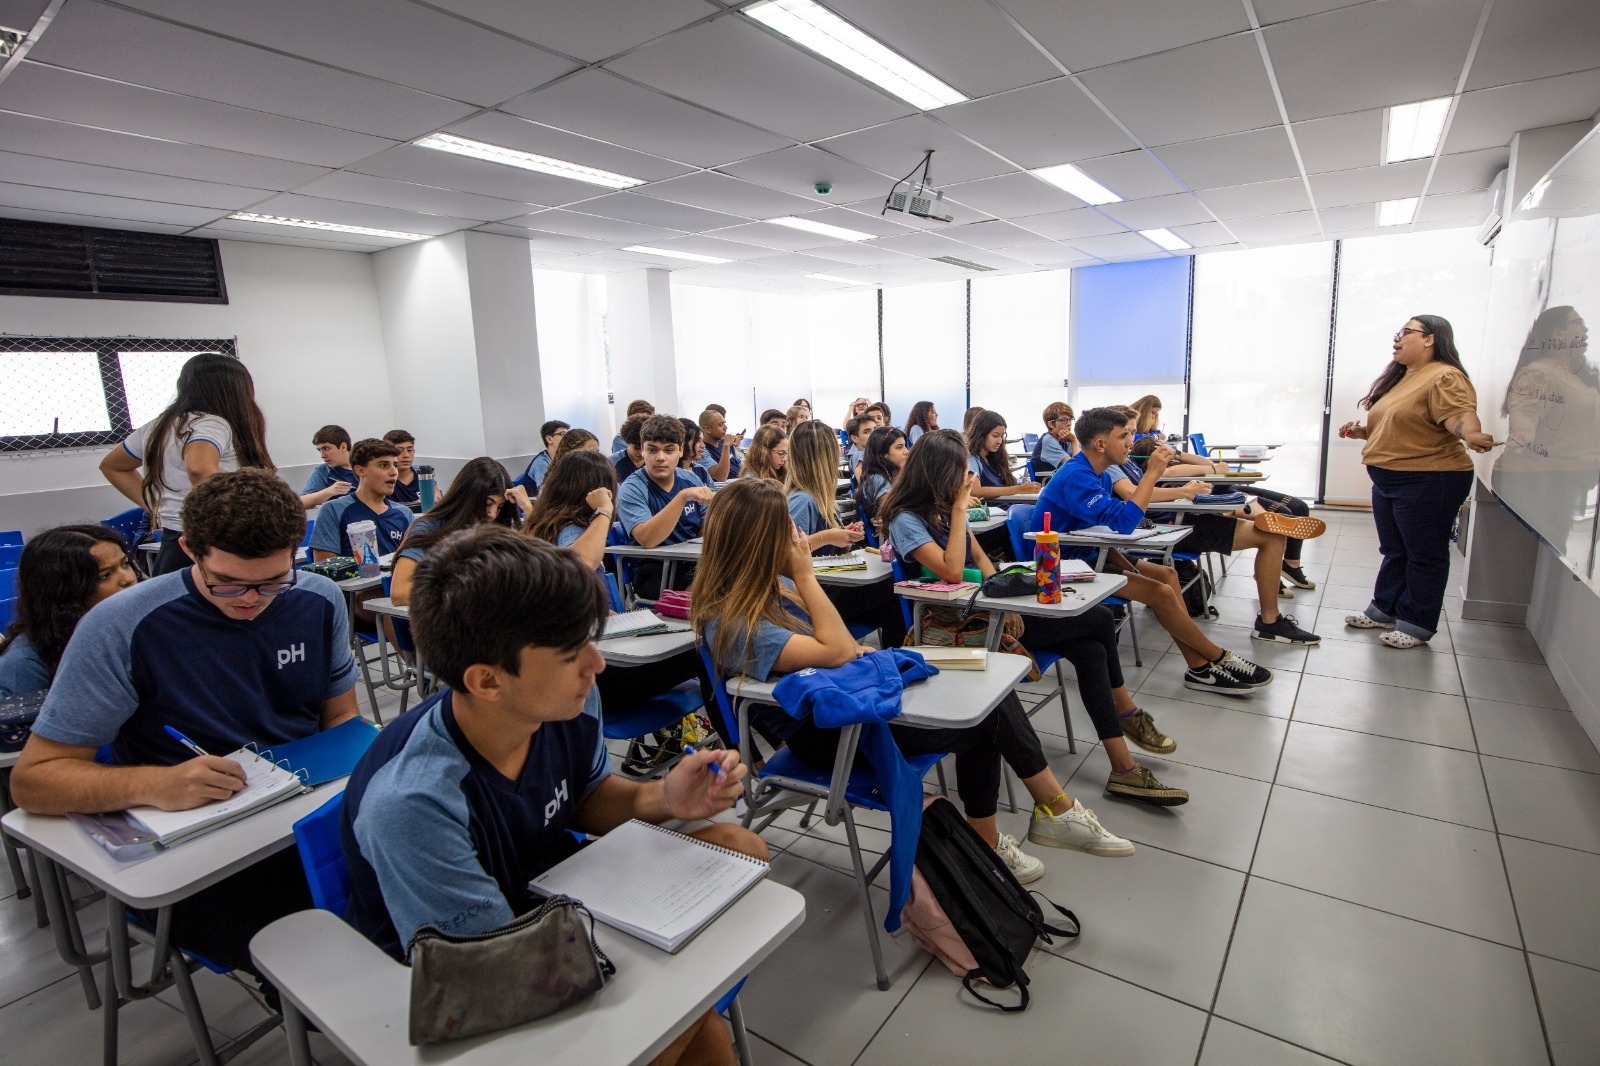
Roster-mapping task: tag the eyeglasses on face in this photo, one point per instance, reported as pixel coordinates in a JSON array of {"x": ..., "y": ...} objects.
[
  {"x": 227, "y": 590},
  {"x": 1408, "y": 329}
]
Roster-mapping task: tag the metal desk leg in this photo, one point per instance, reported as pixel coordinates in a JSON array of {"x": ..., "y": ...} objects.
[
  {"x": 359, "y": 652},
  {"x": 294, "y": 1030},
  {"x": 52, "y": 885},
  {"x": 13, "y": 860}
]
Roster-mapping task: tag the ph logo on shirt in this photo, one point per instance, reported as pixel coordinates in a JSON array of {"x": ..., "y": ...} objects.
[
  {"x": 553, "y": 808},
  {"x": 295, "y": 653}
]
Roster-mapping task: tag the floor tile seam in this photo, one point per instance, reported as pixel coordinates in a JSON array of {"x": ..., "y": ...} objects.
[
  {"x": 753, "y": 1031},
  {"x": 1281, "y": 1040},
  {"x": 1393, "y": 810},
  {"x": 1385, "y": 736},
  {"x": 1566, "y": 962},
  {"x": 910, "y": 987},
  {"x": 1408, "y": 688},
  {"x": 4, "y": 1004},
  {"x": 1530, "y": 706},
  {"x": 1133, "y": 984},
  {"x": 1536, "y": 762},
  {"x": 1393, "y": 914},
  {"x": 1548, "y": 844}
]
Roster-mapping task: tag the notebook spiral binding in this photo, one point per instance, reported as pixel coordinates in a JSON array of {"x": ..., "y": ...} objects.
[{"x": 266, "y": 755}]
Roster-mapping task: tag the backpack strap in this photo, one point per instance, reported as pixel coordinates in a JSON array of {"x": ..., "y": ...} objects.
[
  {"x": 1077, "y": 926},
  {"x": 971, "y": 979}
]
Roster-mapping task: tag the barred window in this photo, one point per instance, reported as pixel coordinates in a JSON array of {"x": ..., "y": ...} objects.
[{"x": 76, "y": 392}]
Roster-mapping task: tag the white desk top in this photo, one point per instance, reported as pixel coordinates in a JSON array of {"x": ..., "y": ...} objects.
[
  {"x": 387, "y": 606},
  {"x": 689, "y": 550},
  {"x": 877, "y": 570},
  {"x": 1076, "y": 598},
  {"x": 637, "y": 651},
  {"x": 1190, "y": 505},
  {"x": 1094, "y": 540},
  {"x": 174, "y": 873},
  {"x": 359, "y": 584},
  {"x": 360, "y": 998},
  {"x": 996, "y": 521},
  {"x": 1215, "y": 479},
  {"x": 953, "y": 699},
  {"x": 1013, "y": 497}
]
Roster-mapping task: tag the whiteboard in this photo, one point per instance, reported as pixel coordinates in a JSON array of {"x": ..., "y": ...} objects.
[{"x": 1540, "y": 385}]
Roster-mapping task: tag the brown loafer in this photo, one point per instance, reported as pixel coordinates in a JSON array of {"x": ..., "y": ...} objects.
[{"x": 1290, "y": 525}]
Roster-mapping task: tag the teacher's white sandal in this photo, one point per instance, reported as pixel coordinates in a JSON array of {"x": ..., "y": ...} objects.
[
  {"x": 1361, "y": 621},
  {"x": 1396, "y": 639}
]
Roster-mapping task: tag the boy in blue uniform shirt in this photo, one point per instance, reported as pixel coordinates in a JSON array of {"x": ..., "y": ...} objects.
[
  {"x": 407, "y": 486},
  {"x": 551, "y": 433},
  {"x": 237, "y": 648},
  {"x": 661, "y": 503},
  {"x": 630, "y": 456},
  {"x": 377, "y": 466},
  {"x": 333, "y": 478},
  {"x": 721, "y": 459},
  {"x": 464, "y": 800}
]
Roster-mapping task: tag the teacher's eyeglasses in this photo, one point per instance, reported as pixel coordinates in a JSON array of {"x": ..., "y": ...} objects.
[{"x": 1400, "y": 336}]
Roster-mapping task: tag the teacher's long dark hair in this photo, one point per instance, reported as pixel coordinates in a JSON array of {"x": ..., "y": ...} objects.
[{"x": 1444, "y": 351}]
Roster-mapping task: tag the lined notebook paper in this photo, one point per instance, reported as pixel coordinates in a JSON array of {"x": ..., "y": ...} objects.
[
  {"x": 653, "y": 883},
  {"x": 638, "y": 624},
  {"x": 265, "y": 784}
]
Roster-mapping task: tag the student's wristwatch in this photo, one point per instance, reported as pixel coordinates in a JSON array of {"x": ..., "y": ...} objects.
[{"x": 597, "y": 513}]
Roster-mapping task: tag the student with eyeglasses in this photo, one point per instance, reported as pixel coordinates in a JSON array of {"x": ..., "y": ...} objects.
[
  {"x": 1422, "y": 417},
  {"x": 237, "y": 648}
]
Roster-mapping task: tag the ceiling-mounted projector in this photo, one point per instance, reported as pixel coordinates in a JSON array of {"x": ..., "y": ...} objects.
[{"x": 918, "y": 196}]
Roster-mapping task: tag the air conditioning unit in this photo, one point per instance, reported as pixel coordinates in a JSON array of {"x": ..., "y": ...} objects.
[{"x": 1495, "y": 203}]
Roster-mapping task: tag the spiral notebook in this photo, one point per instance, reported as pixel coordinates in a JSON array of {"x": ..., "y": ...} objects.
[
  {"x": 653, "y": 883},
  {"x": 266, "y": 783}
]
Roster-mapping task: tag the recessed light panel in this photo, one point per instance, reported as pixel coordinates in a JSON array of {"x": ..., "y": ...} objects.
[
  {"x": 1069, "y": 178},
  {"x": 511, "y": 157},
  {"x": 329, "y": 227},
  {"x": 821, "y": 229},
  {"x": 830, "y": 277},
  {"x": 1397, "y": 212},
  {"x": 1412, "y": 131},
  {"x": 693, "y": 257},
  {"x": 1166, "y": 238}
]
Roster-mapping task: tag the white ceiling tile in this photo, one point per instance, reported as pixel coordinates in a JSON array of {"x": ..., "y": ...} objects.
[
  {"x": 1048, "y": 255},
  {"x": 543, "y": 242},
  {"x": 1435, "y": 206},
  {"x": 599, "y": 104},
  {"x": 969, "y": 46},
  {"x": 577, "y": 224},
  {"x": 33, "y": 198},
  {"x": 1092, "y": 33},
  {"x": 317, "y": 209},
  {"x": 1040, "y": 125},
  {"x": 1117, "y": 244},
  {"x": 1067, "y": 225},
  {"x": 1270, "y": 11},
  {"x": 726, "y": 274},
  {"x": 925, "y": 245},
  {"x": 1372, "y": 55},
  {"x": 21, "y": 14},
  {"x": 405, "y": 43},
  {"x": 998, "y": 235},
  {"x": 1202, "y": 90},
  {"x": 959, "y": 214},
  {"x": 443, "y": 170},
  {"x": 84, "y": 144},
  {"x": 117, "y": 43},
  {"x": 1354, "y": 216},
  {"x": 1131, "y": 175},
  {"x": 1274, "y": 227},
  {"x": 1536, "y": 39},
  {"x": 718, "y": 192},
  {"x": 702, "y": 245},
  {"x": 777, "y": 238},
  {"x": 868, "y": 217},
  {"x": 631, "y": 207},
  {"x": 868, "y": 275},
  {"x": 1159, "y": 212},
  {"x": 1012, "y": 196},
  {"x": 1468, "y": 170},
  {"x": 108, "y": 181},
  {"x": 68, "y": 218},
  {"x": 592, "y": 30},
  {"x": 1341, "y": 142},
  {"x": 1487, "y": 118},
  {"x": 1236, "y": 159},
  {"x": 408, "y": 196},
  {"x": 895, "y": 147},
  {"x": 34, "y": 89},
  {"x": 1370, "y": 184},
  {"x": 508, "y": 131},
  {"x": 733, "y": 66},
  {"x": 581, "y": 264},
  {"x": 812, "y": 264},
  {"x": 869, "y": 254},
  {"x": 1206, "y": 234},
  {"x": 1262, "y": 198},
  {"x": 798, "y": 169}
]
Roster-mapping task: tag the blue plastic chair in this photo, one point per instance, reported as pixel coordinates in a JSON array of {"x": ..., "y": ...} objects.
[
  {"x": 14, "y": 536},
  {"x": 133, "y": 524},
  {"x": 10, "y": 555},
  {"x": 8, "y": 583},
  {"x": 784, "y": 782},
  {"x": 1029, "y": 440},
  {"x": 8, "y": 610},
  {"x": 322, "y": 856},
  {"x": 614, "y": 591},
  {"x": 1197, "y": 444}
]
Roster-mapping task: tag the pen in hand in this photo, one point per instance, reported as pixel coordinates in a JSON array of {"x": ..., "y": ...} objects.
[
  {"x": 714, "y": 766},
  {"x": 185, "y": 741}
]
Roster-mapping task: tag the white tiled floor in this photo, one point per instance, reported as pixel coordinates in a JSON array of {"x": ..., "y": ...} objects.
[{"x": 1389, "y": 857}]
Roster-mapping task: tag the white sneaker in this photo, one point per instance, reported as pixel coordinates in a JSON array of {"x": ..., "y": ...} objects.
[
  {"x": 1024, "y": 867},
  {"x": 1361, "y": 621},
  {"x": 1078, "y": 829}
]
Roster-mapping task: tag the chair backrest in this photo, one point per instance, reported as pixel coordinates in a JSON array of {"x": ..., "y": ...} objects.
[
  {"x": 8, "y": 583},
  {"x": 1029, "y": 440},
  {"x": 897, "y": 567},
  {"x": 130, "y": 523},
  {"x": 322, "y": 856},
  {"x": 10, "y": 555},
  {"x": 1018, "y": 517},
  {"x": 719, "y": 691},
  {"x": 614, "y": 591},
  {"x": 1197, "y": 443},
  {"x": 8, "y": 609},
  {"x": 869, "y": 531},
  {"x": 14, "y": 536}
]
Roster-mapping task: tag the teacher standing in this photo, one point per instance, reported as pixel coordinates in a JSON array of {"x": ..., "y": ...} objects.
[{"x": 1420, "y": 412}]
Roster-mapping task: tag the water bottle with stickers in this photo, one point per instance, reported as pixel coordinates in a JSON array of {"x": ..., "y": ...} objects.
[
  {"x": 1047, "y": 563},
  {"x": 364, "y": 546}
]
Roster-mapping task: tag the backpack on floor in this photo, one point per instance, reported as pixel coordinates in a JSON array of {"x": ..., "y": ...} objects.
[
  {"x": 968, "y": 910},
  {"x": 1196, "y": 593}
]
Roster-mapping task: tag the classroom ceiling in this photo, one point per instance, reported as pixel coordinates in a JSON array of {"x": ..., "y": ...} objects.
[{"x": 1233, "y": 123}]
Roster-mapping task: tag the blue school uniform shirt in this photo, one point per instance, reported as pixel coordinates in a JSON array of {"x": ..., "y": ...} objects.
[
  {"x": 987, "y": 477},
  {"x": 569, "y": 534},
  {"x": 913, "y": 435},
  {"x": 623, "y": 464},
  {"x": 1077, "y": 498},
  {"x": 161, "y": 654},
  {"x": 21, "y": 669},
  {"x": 809, "y": 517},
  {"x": 537, "y": 468},
  {"x": 419, "y": 527},
  {"x": 873, "y": 490},
  {"x": 332, "y": 531},
  {"x": 908, "y": 532},
  {"x": 755, "y": 653},
  {"x": 618, "y": 444},
  {"x": 713, "y": 456},
  {"x": 703, "y": 474},
  {"x": 411, "y": 493},
  {"x": 436, "y": 835},
  {"x": 325, "y": 475},
  {"x": 639, "y": 499},
  {"x": 1050, "y": 451}
]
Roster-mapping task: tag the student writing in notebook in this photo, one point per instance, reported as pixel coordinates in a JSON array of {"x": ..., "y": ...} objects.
[
  {"x": 238, "y": 648},
  {"x": 333, "y": 478},
  {"x": 481, "y": 492},
  {"x": 463, "y": 800}
]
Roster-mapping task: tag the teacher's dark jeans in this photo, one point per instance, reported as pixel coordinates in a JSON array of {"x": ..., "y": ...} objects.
[{"x": 1414, "y": 511}]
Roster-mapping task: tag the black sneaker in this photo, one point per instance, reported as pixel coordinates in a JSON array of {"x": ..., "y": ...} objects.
[
  {"x": 1296, "y": 576},
  {"x": 1250, "y": 673},
  {"x": 1284, "y": 631},
  {"x": 1212, "y": 678}
]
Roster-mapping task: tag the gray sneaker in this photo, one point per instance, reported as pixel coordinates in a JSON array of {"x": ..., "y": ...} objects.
[
  {"x": 1077, "y": 829},
  {"x": 1140, "y": 784},
  {"x": 1141, "y": 729}
]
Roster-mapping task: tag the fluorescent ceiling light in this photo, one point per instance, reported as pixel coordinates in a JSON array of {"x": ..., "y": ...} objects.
[
  {"x": 822, "y": 229},
  {"x": 1070, "y": 179},
  {"x": 693, "y": 257},
  {"x": 330, "y": 227},
  {"x": 1414, "y": 129},
  {"x": 1397, "y": 212},
  {"x": 494, "y": 153},
  {"x": 812, "y": 26},
  {"x": 830, "y": 277},
  {"x": 1166, "y": 238}
]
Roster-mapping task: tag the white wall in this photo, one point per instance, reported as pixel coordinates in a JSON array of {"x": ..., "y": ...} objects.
[
  {"x": 510, "y": 394},
  {"x": 1564, "y": 618},
  {"x": 307, "y": 327},
  {"x": 639, "y": 329}
]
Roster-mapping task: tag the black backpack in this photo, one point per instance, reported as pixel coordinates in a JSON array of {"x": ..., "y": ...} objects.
[
  {"x": 1197, "y": 588},
  {"x": 995, "y": 917}
]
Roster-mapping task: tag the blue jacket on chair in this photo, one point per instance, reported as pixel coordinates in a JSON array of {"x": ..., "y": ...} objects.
[{"x": 867, "y": 692}]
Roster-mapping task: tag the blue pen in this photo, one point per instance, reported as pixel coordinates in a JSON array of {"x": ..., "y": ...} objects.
[
  {"x": 185, "y": 741},
  {"x": 714, "y": 767}
]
